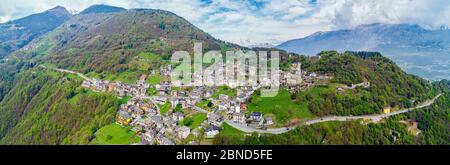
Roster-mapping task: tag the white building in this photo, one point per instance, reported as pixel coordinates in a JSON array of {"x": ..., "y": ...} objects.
[
  {"x": 183, "y": 132},
  {"x": 211, "y": 131}
]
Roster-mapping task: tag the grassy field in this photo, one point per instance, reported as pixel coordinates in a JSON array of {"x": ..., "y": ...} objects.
[
  {"x": 149, "y": 56},
  {"x": 224, "y": 90},
  {"x": 151, "y": 91},
  {"x": 129, "y": 77},
  {"x": 194, "y": 121},
  {"x": 280, "y": 106},
  {"x": 114, "y": 134},
  {"x": 204, "y": 105},
  {"x": 74, "y": 77},
  {"x": 154, "y": 79},
  {"x": 228, "y": 130},
  {"x": 197, "y": 120},
  {"x": 125, "y": 77},
  {"x": 232, "y": 135},
  {"x": 79, "y": 94},
  {"x": 125, "y": 99},
  {"x": 163, "y": 109}
]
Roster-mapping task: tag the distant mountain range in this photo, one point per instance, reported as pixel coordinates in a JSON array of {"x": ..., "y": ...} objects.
[
  {"x": 16, "y": 34},
  {"x": 419, "y": 51}
]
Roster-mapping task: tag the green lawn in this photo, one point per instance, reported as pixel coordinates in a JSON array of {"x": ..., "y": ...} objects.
[
  {"x": 154, "y": 79},
  {"x": 228, "y": 130},
  {"x": 232, "y": 135},
  {"x": 281, "y": 106},
  {"x": 114, "y": 134},
  {"x": 163, "y": 109},
  {"x": 197, "y": 120},
  {"x": 124, "y": 77},
  {"x": 178, "y": 108},
  {"x": 231, "y": 92},
  {"x": 204, "y": 105},
  {"x": 151, "y": 91},
  {"x": 125, "y": 99},
  {"x": 74, "y": 77},
  {"x": 194, "y": 121}
]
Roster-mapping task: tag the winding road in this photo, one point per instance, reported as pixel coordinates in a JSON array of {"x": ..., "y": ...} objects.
[
  {"x": 374, "y": 118},
  {"x": 68, "y": 71}
]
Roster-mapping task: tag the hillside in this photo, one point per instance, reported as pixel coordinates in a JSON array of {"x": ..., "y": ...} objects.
[
  {"x": 102, "y": 44},
  {"x": 389, "y": 86},
  {"x": 16, "y": 34},
  {"x": 49, "y": 108},
  {"x": 419, "y": 51},
  {"x": 431, "y": 121},
  {"x": 42, "y": 107}
]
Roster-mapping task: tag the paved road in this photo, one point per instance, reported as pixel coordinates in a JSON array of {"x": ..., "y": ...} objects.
[
  {"x": 375, "y": 118},
  {"x": 200, "y": 109},
  {"x": 69, "y": 71},
  {"x": 248, "y": 129}
]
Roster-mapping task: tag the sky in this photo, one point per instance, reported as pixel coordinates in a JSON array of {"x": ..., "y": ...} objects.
[{"x": 254, "y": 22}]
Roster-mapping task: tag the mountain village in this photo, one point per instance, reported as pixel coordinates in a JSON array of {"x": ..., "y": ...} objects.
[{"x": 142, "y": 113}]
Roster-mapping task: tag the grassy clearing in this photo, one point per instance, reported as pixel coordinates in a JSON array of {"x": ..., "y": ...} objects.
[
  {"x": 114, "y": 134},
  {"x": 125, "y": 77},
  {"x": 194, "y": 121},
  {"x": 149, "y": 56},
  {"x": 204, "y": 105},
  {"x": 231, "y": 92},
  {"x": 163, "y": 109},
  {"x": 228, "y": 130},
  {"x": 83, "y": 93},
  {"x": 154, "y": 79},
  {"x": 281, "y": 106},
  {"x": 151, "y": 91}
]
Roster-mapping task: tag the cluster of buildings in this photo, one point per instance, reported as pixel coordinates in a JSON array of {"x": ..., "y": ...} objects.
[
  {"x": 120, "y": 89},
  {"x": 296, "y": 79},
  {"x": 145, "y": 119},
  {"x": 143, "y": 116}
]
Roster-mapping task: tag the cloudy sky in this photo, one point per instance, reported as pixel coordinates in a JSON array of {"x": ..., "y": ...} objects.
[{"x": 254, "y": 22}]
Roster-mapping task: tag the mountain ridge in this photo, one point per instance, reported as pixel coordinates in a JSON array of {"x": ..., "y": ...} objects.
[
  {"x": 18, "y": 33},
  {"x": 418, "y": 50}
]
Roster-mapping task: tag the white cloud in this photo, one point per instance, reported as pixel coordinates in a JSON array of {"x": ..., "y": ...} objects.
[{"x": 260, "y": 21}]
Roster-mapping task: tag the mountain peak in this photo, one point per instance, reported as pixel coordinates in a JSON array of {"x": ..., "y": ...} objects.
[
  {"x": 58, "y": 8},
  {"x": 102, "y": 9},
  {"x": 17, "y": 33},
  {"x": 59, "y": 11}
]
